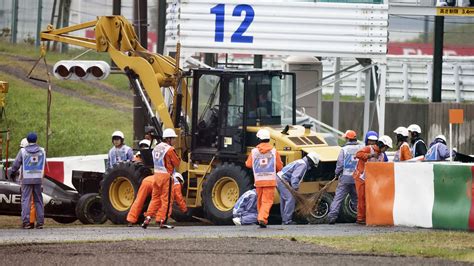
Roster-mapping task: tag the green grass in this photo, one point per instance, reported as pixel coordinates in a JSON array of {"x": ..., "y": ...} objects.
[
  {"x": 79, "y": 87},
  {"x": 439, "y": 244},
  {"x": 119, "y": 82},
  {"x": 78, "y": 127},
  {"x": 330, "y": 97}
]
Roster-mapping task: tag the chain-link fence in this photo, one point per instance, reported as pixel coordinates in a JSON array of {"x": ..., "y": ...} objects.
[{"x": 80, "y": 11}]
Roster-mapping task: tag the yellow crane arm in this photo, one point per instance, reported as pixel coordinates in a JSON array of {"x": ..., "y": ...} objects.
[{"x": 116, "y": 36}]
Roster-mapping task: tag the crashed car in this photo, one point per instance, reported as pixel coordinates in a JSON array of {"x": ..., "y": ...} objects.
[{"x": 62, "y": 203}]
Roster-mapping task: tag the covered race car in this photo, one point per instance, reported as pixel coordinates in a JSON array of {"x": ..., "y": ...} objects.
[{"x": 62, "y": 203}]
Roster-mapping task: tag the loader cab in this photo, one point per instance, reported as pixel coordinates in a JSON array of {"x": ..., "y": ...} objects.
[{"x": 225, "y": 102}]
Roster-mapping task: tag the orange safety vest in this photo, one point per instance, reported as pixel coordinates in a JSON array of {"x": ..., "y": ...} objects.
[
  {"x": 398, "y": 154},
  {"x": 378, "y": 159}
]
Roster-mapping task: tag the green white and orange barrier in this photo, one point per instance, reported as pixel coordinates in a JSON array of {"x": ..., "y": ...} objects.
[{"x": 430, "y": 195}]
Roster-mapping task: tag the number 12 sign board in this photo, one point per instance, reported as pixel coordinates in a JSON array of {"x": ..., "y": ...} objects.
[{"x": 278, "y": 28}]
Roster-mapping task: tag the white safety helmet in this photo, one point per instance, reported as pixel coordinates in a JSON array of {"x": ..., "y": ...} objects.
[
  {"x": 23, "y": 143},
  {"x": 179, "y": 177},
  {"x": 414, "y": 128},
  {"x": 386, "y": 140},
  {"x": 144, "y": 142},
  {"x": 118, "y": 134},
  {"x": 441, "y": 137},
  {"x": 263, "y": 134},
  {"x": 402, "y": 131},
  {"x": 314, "y": 157},
  {"x": 169, "y": 133}
]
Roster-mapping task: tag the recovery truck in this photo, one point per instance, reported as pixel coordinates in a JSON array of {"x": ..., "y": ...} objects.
[{"x": 216, "y": 118}]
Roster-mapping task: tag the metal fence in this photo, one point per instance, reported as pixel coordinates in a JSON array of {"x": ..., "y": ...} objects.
[
  {"x": 433, "y": 119},
  {"x": 410, "y": 78}
]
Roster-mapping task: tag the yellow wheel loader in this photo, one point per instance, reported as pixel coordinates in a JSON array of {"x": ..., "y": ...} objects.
[{"x": 216, "y": 114}]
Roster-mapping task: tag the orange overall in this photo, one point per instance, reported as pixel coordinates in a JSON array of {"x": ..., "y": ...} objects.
[
  {"x": 146, "y": 189},
  {"x": 144, "y": 192},
  {"x": 160, "y": 204},
  {"x": 265, "y": 188},
  {"x": 359, "y": 178},
  {"x": 177, "y": 197}
]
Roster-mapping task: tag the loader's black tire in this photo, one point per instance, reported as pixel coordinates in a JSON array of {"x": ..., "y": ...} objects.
[
  {"x": 348, "y": 213},
  {"x": 89, "y": 209},
  {"x": 65, "y": 220},
  {"x": 119, "y": 189},
  {"x": 320, "y": 214},
  {"x": 221, "y": 190}
]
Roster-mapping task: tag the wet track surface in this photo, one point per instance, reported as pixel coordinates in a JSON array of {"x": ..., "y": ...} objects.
[{"x": 115, "y": 233}]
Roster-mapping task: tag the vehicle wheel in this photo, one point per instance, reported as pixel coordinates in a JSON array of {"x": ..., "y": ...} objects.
[
  {"x": 89, "y": 209},
  {"x": 221, "y": 190},
  {"x": 119, "y": 189},
  {"x": 348, "y": 212},
  {"x": 320, "y": 213},
  {"x": 65, "y": 220}
]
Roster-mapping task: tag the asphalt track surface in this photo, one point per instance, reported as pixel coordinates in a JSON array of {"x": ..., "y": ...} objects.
[
  {"x": 117, "y": 233},
  {"x": 191, "y": 245}
]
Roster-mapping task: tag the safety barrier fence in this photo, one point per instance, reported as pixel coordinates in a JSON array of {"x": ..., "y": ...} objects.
[
  {"x": 422, "y": 194},
  {"x": 410, "y": 77},
  {"x": 62, "y": 168}
]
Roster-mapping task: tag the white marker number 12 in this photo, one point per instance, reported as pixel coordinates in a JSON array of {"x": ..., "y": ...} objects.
[{"x": 238, "y": 35}]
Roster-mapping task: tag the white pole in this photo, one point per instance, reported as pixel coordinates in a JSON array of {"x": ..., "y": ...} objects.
[
  {"x": 405, "y": 81},
  {"x": 457, "y": 87},
  {"x": 337, "y": 93},
  {"x": 382, "y": 93},
  {"x": 450, "y": 142},
  {"x": 429, "y": 78},
  {"x": 358, "y": 84},
  {"x": 367, "y": 101}
]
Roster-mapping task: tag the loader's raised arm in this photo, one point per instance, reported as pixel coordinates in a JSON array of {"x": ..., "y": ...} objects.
[{"x": 116, "y": 36}]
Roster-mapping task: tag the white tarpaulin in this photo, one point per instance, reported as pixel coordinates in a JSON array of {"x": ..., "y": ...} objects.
[{"x": 278, "y": 28}]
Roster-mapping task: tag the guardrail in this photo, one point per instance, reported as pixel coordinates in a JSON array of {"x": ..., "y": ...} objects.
[{"x": 410, "y": 77}]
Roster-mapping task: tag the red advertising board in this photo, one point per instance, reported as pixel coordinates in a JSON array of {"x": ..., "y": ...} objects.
[{"x": 407, "y": 48}]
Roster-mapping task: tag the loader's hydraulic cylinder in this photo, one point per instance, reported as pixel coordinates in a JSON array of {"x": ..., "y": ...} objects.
[{"x": 135, "y": 82}]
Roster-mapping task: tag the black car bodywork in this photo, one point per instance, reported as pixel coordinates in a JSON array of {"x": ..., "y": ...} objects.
[{"x": 60, "y": 201}]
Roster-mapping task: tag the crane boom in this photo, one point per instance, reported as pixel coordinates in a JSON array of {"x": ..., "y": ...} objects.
[{"x": 116, "y": 36}]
